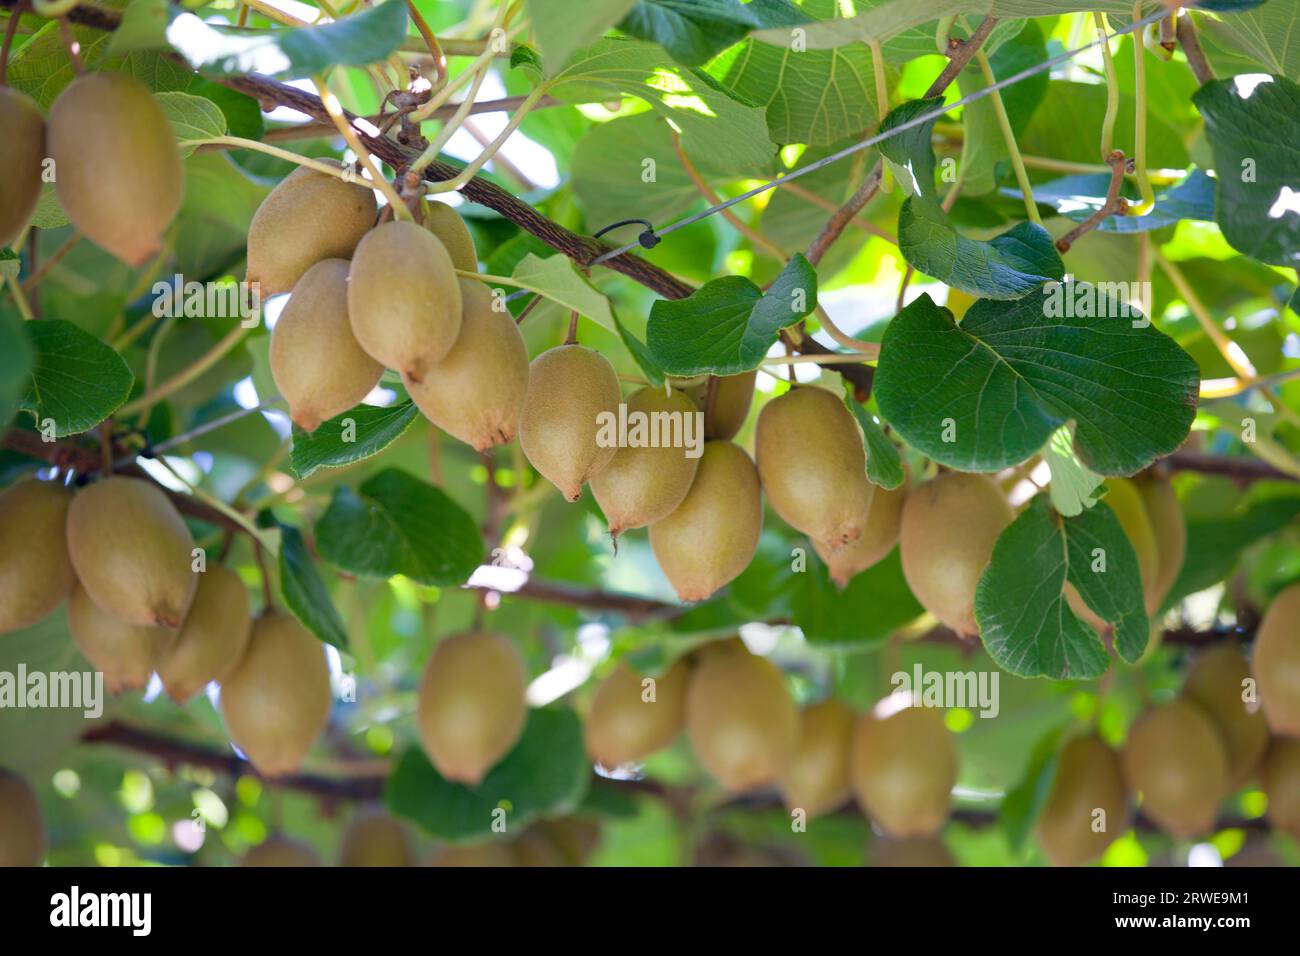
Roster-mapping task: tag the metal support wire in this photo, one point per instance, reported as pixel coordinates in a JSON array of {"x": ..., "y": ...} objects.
[{"x": 881, "y": 137}]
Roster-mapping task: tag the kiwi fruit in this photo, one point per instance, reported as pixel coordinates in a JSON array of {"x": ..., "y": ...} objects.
[
  {"x": 816, "y": 778},
  {"x": 127, "y": 654},
  {"x": 277, "y": 701},
  {"x": 22, "y": 829},
  {"x": 316, "y": 362},
  {"x": 641, "y": 485},
  {"x": 117, "y": 170},
  {"x": 1279, "y": 776},
  {"x": 1170, "y": 531},
  {"x": 403, "y": 298},
  {"x": 813, "y": 465},
  {"x": 132, "y": 552},
  {"x": 471, "y": 706},
  {"x": 1216, "y": 682},
  {"x": 1088, "y": 778},
  {"x": 309, "y": 216},
  {"x": 569, "y": 388},
  {"x": 879, "y": 536},
  {"x": 733, "y": 394},
  {"x": 1175, "y": 758},
  {"x": 949, "y": 527},
  {"x": 740, "y": 718},
  {"x": 213, "y": 638},
  {"x": 1124, "y": 499},
  {"x": 903, "y": 768},
  {"x": 476, "y": 392},
  {"x": 623, "y": 727},
  {"x": 280, "y": 851},
  {"x": 713, "y": 534},
  {"x": 445, "y": 223},
  {"x": 1276, "y": 663},
  {"x": 575, "y": 839},
  {"x": 22, "y": 151},
  {"x": 910, "y": 851},
  {"x": 489, "y": 853},
  {"x": 373, "y": 838},
  {"x": 35, "y": 569}
]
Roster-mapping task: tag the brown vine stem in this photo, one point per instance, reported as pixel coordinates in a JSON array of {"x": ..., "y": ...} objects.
[
  {"x": 73, "y": 47},
  {"x": 1191, "y": 44},
  {"x": 962, "y": 54},
  {"x": 10, "y": 29},
  {"x": 1115, "y": 204}
]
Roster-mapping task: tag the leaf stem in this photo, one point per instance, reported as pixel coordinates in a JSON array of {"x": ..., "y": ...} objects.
[
  {"x": 10, "y": 29},
  {"x": 238, "y": 142},
  {"x": 1112, "y": 86},
  {"x": 489, "y": 53},
  {"x": 188, "y": 374},
  {"x": 1009, "y": 137},
  {"x": 20, "y": 298},
  {"x": 744, "y": 228},
  {"x": 867, "y": 352},
  {"x": 1230, "y": 350},
  {"x": 334, "y": 110},
  {"x": 430, "y": 40},
  {"x": 1148, "y": 196},
  {"x": 466, "y": 174}
]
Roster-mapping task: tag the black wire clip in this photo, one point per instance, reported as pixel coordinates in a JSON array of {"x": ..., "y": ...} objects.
[{"x": 647, "y": 238}]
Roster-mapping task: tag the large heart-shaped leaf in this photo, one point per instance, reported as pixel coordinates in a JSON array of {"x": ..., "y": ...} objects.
[
  {"x": 1025, "y": 621},
  {"x": 76, "y": 381},
  {"x": 988, "y": 393}
]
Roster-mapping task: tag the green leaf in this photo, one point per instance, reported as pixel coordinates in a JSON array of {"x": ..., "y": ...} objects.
[
  {"x": 356, "y": 434},
  {"x": 691, "y": 31},
  {"x": 76, "y": 381},
  {"x": 547, "y": 772},
  {"x": 1024, "y": 802},
  {"x": 562, "y": 26},
  {"x": 192, "y": 117},
  {"x": 15, "y": 363},
  {"x": 357, "y": 40},
  {"x": 640, "y": 354},
  {"x": 1268, "y": 37},
  {"x": 143, "y": 27},
  {"x": 11, "y": 264},
  {"x": 1256, "y": 142},
  {"x": 1078, "y": 197},
  {"x": 395, "y": 523},
  {"x": 305, "y": 593},
  {"x": 727, "y": 326},
  {"x": 1025, "y": 622},
  {"x": 876, "y": 603},
  {"x": 988, "y": 393},
  {"x": 556, "y": 278},
  {"x": 716, "y": 129},
  {"x": 1074, "y": 484},
  {"x": 884, "y": 465},
  {"x": 1007, "y": 267},
  {"x": 1214, "y": 544},
  {"x": 243, "y": 113}
]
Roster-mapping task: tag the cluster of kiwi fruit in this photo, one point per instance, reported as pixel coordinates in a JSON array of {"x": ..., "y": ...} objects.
[
  {"x": 746, "y": 731},
  {"x": 121, "y": 557},
  {"x": 373, "y": 838},
  {"x": 1182, "y": 758}
]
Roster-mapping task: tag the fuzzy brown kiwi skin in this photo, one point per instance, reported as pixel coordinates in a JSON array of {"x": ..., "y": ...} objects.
[
  {"x": 732, "y": 397},
  {"x": 126, "y": 654},
  {"x": 569, "y": 388},
  {"x": 816, "y": 778},
  {"x": 36, "y": 573},
  {"x": 118, "y": 171},
  {"x": 22, "y": 151},
  {"x": 277, "y": 701},
  {"x": 1088, "y": 778},
  {"x": 476, "y": 392},
  {"x": 812, "y": 464},
  {"x": 404, "y": 299},
  {"x": 477, "y": 673},
  {"x": 623, "y": 727},
  {"x": 22, "y": 827},
  {"x": 1217, "y": 681},
  {"x": 1276, "y": 662},
  {"x": 903, "y": 769},
  {"x": 949, "y": 527},
  {"x": 213, "y": 638},
  {"x": 445, "y": 223},
  {"x": 133, "y": 552},
  {"x": 1176, "y": 758},
  {"x": 712, "y": 535},
  {"x": 1279, "y": 777},
  {"x": 642, "y": 485},
  {"x": 316, "y": 361},
  {"x": 740, "y": 718},
  {"x": 309, "y": 216},
  {"x": 879, "y": 537},
  {"x": 278, "y": 851},
  {"x": 373, "y": 838}
]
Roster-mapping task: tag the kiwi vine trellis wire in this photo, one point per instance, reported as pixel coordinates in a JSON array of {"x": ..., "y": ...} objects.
[{"x": 989, "y": 90}]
